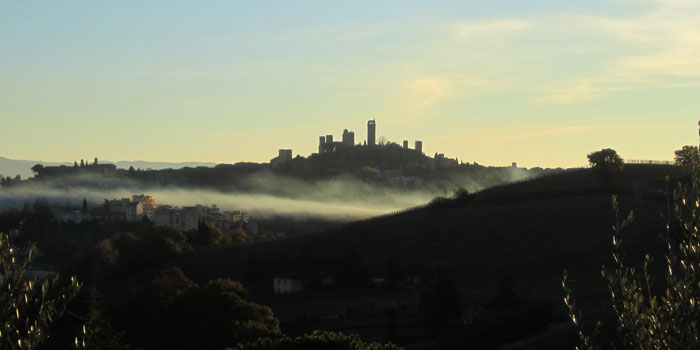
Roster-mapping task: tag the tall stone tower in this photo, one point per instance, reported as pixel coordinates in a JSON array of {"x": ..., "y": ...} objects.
[
  {"x": 371, "y": 132},
  {"x": 321, "y": 144}
]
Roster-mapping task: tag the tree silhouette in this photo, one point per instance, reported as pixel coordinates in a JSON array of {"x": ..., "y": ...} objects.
[
  {"x": 98, "y": 332},
  {"x": 37, "y": 168},
  {"x": 212, "y": 316},
  {"x": 688, "y": 158},
  {"x": 606, "y": 162}
]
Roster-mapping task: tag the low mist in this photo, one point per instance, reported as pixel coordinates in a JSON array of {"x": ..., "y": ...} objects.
[
  {"x": 342, "y": 198},
  {"x": 329, "y": 202}
]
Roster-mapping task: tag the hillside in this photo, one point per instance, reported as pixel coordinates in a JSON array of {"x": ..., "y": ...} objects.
[
  {"x": 525, "y": 233},
  {"x": 560, "y": 221}
]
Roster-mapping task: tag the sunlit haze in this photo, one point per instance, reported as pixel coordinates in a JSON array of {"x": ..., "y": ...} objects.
[{"x": 540, "y": 83}]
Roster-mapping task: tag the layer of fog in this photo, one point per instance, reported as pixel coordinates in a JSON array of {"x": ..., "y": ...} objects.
[
  {"x": 324, "y": 203},
  {"x": 339, "y": 198}
]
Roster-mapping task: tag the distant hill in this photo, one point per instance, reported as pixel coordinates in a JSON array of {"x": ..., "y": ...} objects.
[
  {"x": 13, "y": 167},
  {"x": 142, "y": 164}
]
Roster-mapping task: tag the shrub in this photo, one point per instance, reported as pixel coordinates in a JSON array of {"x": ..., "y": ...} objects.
[
  {"x": 28, "y": 306},
  {"x": 646, "y": 319}
]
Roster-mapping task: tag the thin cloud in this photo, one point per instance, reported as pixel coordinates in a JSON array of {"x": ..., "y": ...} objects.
[
  {"x": 425, "y": 91},
  {"x": 665, "y": 47},
  {"x": 499, "y": 28}
]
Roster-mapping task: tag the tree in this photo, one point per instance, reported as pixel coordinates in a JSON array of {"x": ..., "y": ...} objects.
[
  {"x": 206, "y": 235},
  {"x": 239, "y": 235},
  {"x": 98, "y": 332},
  {"x": 37, "y": 168},
  {"x": 606, "y": 162},
  {"x": 179, "y": 314},
  {"x": 461, "y": 193},
  {"x": 28, "y": 306},
  {"x": 170, "y": 284},
  {"x": 647, "y": 318},
  {"x": 688, "y": 158}
]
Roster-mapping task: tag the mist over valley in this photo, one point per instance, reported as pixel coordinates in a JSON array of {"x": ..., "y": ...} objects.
[{"x": 348, "y": 184}]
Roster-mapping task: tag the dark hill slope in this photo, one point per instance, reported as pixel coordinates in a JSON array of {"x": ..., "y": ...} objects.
[
  {"x": 582, "y": 180},
  {"x": 550, "y": 227}
]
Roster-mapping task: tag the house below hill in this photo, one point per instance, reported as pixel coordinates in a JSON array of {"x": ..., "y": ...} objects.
[{"x": 288, "y": 284}]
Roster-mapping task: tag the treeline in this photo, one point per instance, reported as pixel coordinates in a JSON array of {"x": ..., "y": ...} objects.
[{"x": 95, "y": 250}]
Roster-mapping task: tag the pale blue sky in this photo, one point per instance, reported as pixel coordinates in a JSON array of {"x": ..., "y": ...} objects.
[{"x": 540, "y": 83}]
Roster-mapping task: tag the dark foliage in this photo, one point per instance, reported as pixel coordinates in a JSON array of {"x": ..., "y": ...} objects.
[
  {"x": 440, "y": 304},
  {"x": 176, "y": 313},
  {"x": 317, "y": 340}
]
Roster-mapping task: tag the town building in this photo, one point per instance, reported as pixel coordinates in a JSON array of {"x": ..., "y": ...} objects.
[
  {"x": 188, "y": 218},
  {"x": 166, "y": 215},
  {"x": 284, "y": 156},
  {"x": 85, "y": 167},
  {"x": 348, "y": 138},
  {"x": 124, "y": 210},
  {"x": 327, "y": 145},
  {"x": 142, "y": 206},
  {"x": 444, "y": 162},
  {"x": 148, "y": 203}
]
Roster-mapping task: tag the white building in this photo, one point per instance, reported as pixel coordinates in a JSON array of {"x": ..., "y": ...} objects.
[
  {"x": 287, "y": 284},
  {"x": 166, "y": 215},
  {"x": 125, "y": 210}
]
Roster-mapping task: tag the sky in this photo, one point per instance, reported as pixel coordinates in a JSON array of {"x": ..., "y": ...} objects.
[{"x": 540, "y": 83}]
